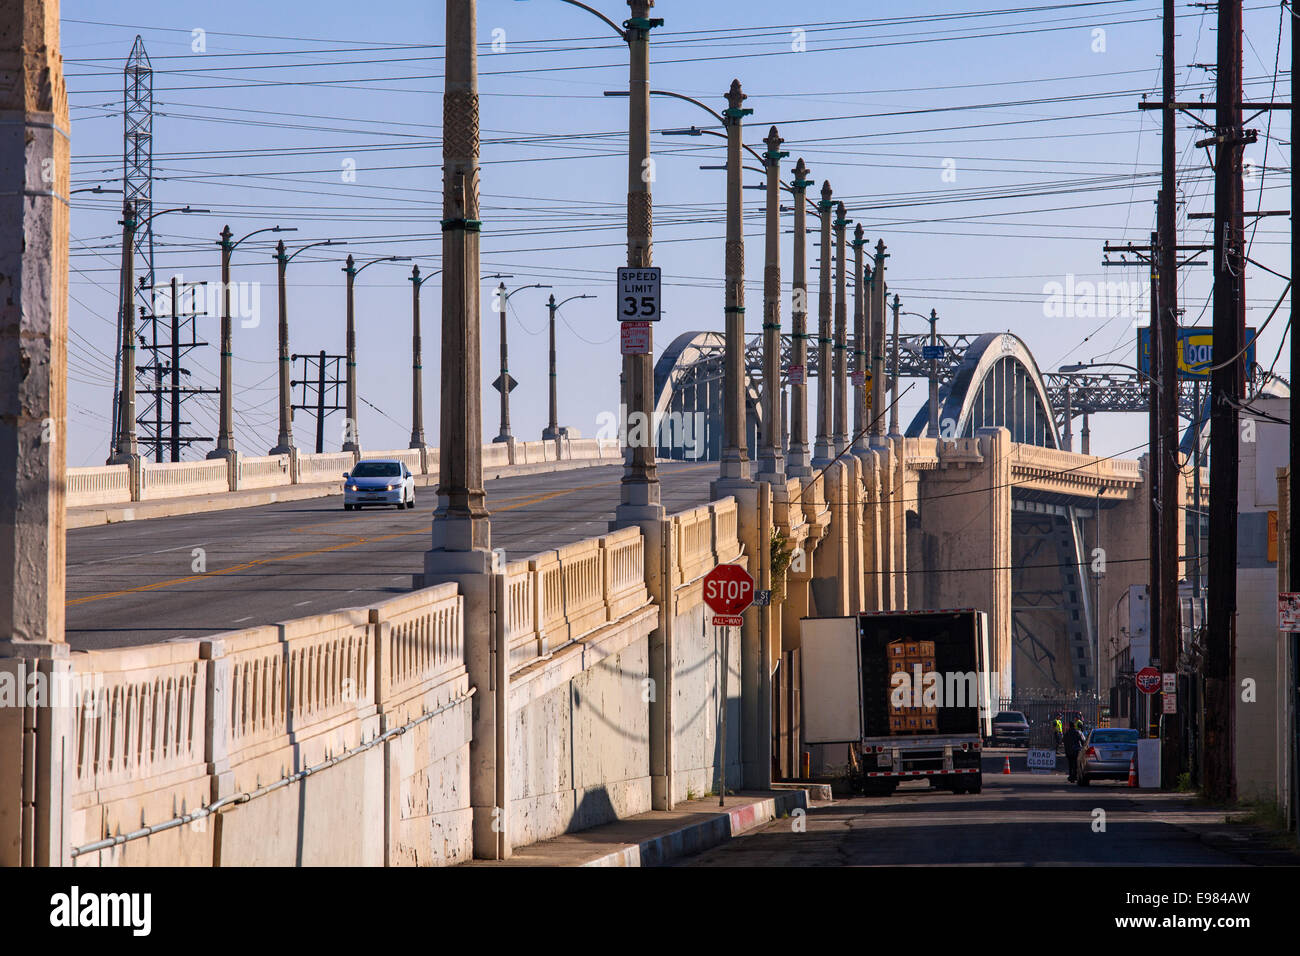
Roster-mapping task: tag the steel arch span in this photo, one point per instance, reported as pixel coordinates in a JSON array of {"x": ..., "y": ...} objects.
[
  {"x": 688, "y": 398},
  {"x": 998, "y": 384}
]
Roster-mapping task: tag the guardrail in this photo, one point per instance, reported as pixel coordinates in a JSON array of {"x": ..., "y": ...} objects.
[{"x": 150, "y": 481}]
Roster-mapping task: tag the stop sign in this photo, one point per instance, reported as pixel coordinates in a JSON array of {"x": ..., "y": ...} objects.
[
  {"x": 1147, "y": 680},
  {"x": 728, "y": 589}
]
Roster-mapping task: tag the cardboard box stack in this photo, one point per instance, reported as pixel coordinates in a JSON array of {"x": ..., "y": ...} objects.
[{"x": 916, "y": 659}]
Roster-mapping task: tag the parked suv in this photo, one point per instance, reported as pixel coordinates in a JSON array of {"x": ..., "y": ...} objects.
[{"x": 1010, "y": 727}]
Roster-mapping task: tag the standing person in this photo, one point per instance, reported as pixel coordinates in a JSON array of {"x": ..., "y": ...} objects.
[
  {"x": 1073, "y": 744},
  {"x": 1057, "y": 728}
]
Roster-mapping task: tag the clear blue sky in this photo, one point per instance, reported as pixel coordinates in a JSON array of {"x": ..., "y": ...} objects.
[{"x": 261, "y": 126}]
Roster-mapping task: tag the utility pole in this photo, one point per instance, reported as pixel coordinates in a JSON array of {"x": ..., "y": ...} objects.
[
  {"x": 771, "y": 460},
  {"x": 860, "y": 296},
  {"x": 1155, "y": 610},
  {"x": 325, "y": 384},
  {"x": 735, "y": 450},
  {"x": 639, "y": 493},
  {"x": 504, "y": 383},
  {"x": 878, "y": 293},
  {"x": 1227, "y": 379},
  {"x": 1293, "y": 538},
  {"x": 822, "y": 453},
  {"x": 840, "y": 437},
  {"x": 798, "y": 465}
]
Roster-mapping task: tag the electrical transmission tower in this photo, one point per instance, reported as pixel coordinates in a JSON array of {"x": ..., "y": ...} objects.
[
  {"x": 156, "y": 432},
  {"x": 137, "y": 189}
]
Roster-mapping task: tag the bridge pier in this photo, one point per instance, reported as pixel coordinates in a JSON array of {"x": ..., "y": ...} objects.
[{"x": 34, "y": 166}]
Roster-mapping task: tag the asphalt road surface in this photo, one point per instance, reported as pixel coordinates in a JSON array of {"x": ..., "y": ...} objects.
[
  {"x": 136, "y": 582},
  {"x": 1017, "y": 820}
]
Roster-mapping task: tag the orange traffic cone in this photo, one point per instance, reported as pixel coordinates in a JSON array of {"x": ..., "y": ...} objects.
[
  {"x": 1006, "y": 764},
  {"x": 1132, "y": 774}
]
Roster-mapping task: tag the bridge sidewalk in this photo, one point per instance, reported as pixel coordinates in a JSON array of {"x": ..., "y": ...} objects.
[{"x": 653, "y": 838}]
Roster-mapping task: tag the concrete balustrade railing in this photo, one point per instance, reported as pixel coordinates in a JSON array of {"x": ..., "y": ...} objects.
[
  {"x": 173, "y": 479},
  {"x": 266, "y": 471},
  {"x": 162, "y": 730},
  {"x": 151, "y": 481},
  {"x": 100, "y": 485}
]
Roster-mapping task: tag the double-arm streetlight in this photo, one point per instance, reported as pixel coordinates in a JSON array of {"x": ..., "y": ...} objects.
[
  {"x": 226, "y": 427},
  {"x": 125, "y": 448},
  {"x": 284, "y": 441},
  {"x": 417, "y": 367},
  {"x": 504, "y": 382},
  {"x": 351, "y": 431},
  {"x": 552, "y": 430}
]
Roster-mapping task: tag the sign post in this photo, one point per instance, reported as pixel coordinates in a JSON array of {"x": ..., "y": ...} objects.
[{"x": 728, "y": 590}]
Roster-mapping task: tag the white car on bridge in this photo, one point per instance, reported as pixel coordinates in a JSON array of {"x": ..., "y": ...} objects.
[{"x": 378, "y": 481}]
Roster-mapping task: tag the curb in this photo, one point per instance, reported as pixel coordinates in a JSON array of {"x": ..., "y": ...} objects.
[{"x": 705, "y": 834}]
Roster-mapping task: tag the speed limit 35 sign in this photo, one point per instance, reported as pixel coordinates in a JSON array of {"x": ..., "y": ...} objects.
[{"x": 638, "y": 294}]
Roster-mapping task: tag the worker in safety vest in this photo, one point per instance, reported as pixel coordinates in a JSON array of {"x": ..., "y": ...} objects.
[{"x": 1056, "y": 726}]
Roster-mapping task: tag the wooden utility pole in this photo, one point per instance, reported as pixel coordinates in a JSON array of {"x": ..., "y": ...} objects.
[
  {"x": 1226, "y": 390},
  {"x": 1172, "y": 759}
]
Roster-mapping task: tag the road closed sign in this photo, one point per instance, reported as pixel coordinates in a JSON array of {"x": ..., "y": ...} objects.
[
  {"x": 638, "y": 294},
  {"x": 1041, "y": 761}
]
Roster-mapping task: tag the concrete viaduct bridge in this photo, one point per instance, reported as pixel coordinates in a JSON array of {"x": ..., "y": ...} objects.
[{"x": 1041, "y": 540}]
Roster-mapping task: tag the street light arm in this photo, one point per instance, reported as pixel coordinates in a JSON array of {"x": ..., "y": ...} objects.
[
  {"x": 622, "y": 34},
  {"x": 423, "y": 279},
  {"x": 161, "y": 212},
  {"x": 521, "y": 288},
  {"x": 571, "y": 298},
  {"x": 382, "y": 259},
  {"x": 235, "y": 245},
  {"x": 326, "y": 242},
  {"x": 1081, "y": 366}
]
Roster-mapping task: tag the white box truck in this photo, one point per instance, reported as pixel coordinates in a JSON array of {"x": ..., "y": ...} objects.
[{"x": 850, "y": 691}]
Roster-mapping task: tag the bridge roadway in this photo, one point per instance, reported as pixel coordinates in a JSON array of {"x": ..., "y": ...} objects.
[{"x": 133, "y": 582}]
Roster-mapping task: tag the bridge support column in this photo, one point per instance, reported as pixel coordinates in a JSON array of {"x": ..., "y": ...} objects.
[
  {"x": 965, "y": 508},
  {"x": 872, "y": 529},
  {"x": 831, "y": 566},
  {"x": 34, "y": 167}
]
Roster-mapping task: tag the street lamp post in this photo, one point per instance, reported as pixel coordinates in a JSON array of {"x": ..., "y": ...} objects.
[
  {"x": 860, "y": 293},
  {"x": 504, "y": 383},
  {"x": 893, "y": 380},
  {"x": 552, "y": 430},
  {"x": 351, "y": 430},
  {"x": 771, "y": 461},
  {"x": 284, "y": 441},
  {"x": 226, "y": 426},
  {"x": 798, "y": 463},
  {"x": 822, "y": 454},
  {"x": 735, "y": 452},
  {"x": 125, "y": 447},
  {"x": 878, "y": 344},
  {"x": 417, "y": 366},
  {"x": 840, "y": 438}
]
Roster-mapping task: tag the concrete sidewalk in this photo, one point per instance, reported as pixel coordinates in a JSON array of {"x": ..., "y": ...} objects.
[
  {"x": 654, "y": 838},
  {"x": 85, "y": 516}
]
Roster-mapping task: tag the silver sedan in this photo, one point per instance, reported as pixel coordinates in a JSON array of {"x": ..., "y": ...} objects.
[{"x": 1106, "y": 754}]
